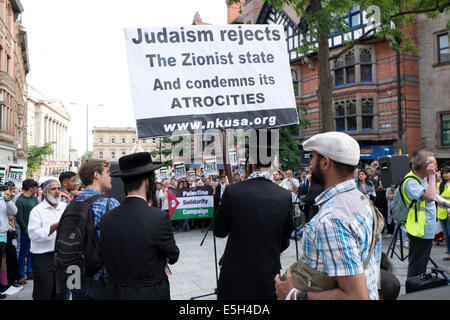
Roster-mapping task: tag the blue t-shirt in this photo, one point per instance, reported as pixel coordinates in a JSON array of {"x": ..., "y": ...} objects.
[{"x": 414, "y": 191}]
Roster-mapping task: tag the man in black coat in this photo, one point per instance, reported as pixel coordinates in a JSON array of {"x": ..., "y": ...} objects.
[
  {"x": 256, "y": 215},
  {"x": 137, "y": 240}
]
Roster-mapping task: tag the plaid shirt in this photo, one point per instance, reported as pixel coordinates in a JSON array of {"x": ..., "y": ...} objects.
[
  {"x": 337, "y": 240},
  {"x": 99, "y": 209}
]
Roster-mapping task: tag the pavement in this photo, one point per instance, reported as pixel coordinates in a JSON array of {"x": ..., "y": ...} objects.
[{"x": 194, "y": 273}]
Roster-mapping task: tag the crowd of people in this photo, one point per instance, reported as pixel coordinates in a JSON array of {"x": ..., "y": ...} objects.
[{"x": 283, "y": 204}]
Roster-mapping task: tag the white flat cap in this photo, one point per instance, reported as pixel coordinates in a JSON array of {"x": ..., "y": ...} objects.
[{"x": 337, "y": 146}]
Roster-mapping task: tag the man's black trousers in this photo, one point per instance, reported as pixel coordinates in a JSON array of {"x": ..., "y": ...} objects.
[
  {"x": 419, "y": 254},
  {"x": 44, "y": 276}
]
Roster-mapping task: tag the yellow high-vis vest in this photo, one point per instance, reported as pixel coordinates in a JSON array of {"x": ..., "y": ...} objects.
[
  {"x": 442, "y": 212},
  {"x": 415, "y": 222}
]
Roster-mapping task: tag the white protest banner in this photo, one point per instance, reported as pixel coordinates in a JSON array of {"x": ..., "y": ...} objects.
[
  {"x": 3, "y": 168},
  {"x": 210, "y": 166},
  {"x": 241, "y": 168},
  {"x": 16, "y": 174},
  {"x": 163, "y": 173},
  {"x": 233, "y": 157},
  {"x": 180, "y": 170},
  {"x": 209, "y": 77}
]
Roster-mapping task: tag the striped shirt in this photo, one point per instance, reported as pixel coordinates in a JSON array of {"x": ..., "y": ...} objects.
[{"x": 337, "y": 240}]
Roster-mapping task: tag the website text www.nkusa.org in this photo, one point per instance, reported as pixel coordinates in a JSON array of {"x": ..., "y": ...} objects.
[{"x": 220, "y": 123}]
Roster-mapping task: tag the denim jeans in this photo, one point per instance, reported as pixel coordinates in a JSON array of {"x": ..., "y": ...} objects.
[
  {"x": 446, "y": 227},
  {"x": 24, "y": 253}
]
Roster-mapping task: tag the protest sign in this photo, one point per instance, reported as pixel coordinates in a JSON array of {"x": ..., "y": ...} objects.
[
  {"x": 16, "y": 174},
  {"x": 191, "y": 173},
  {"x": 197, "y": 202},
  {"x": 241, "y": 168},
  {"x": 163, "y": 173},
  {"x": 209, "y": 77},
  {"x": 209, "y": 166},
  {"x": 3, "y": 168},
  {"x": 180, "y": 170},
  {"x": 233, "y": 157}
]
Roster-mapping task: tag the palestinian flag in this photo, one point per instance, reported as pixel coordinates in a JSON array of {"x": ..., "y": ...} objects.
[
  {"x": 191, "y": 203},
  {"x": 173, "y": 203}
]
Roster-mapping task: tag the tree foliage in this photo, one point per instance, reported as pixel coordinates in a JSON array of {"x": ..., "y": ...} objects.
[{"x": 36, "y": 157}]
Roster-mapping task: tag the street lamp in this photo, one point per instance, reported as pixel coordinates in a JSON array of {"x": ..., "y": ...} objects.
[{"x": 87, "y": 124}]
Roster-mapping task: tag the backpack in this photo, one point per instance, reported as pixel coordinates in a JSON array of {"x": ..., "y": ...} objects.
[
  {"x": 399, "y": 207},
  {"x": 76, "y": 241}
]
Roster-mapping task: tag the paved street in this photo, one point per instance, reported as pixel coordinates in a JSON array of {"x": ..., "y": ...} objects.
[{"x": 194, "y": 273}]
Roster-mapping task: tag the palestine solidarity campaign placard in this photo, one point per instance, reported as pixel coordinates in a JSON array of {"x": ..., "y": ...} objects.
[
  {"x": 197, "y": 202},
  {"x": 209, "y": 77}
]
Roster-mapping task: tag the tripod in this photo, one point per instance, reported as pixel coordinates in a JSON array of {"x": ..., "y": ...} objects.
[
  {"x": 215, "y": 262},
  {"x": 391, "y": 248}
]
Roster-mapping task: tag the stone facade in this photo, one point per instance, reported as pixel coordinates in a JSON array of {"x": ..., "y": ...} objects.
[
  {"x": 434, "y": 86},
  {"x": 48, "y": 121},
  {"x": 14, "y": 66},
  {"x": 112, "y": 143}
]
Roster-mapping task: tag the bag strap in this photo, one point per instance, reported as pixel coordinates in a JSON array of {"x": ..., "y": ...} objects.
[
  {"x": 92, "y": 199},
  {"x": 374, "y": 239},
  {"x": 401, "y": 193}
]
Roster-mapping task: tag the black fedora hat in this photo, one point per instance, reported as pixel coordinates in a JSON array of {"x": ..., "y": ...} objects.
[{"x": 136, "y": 164}]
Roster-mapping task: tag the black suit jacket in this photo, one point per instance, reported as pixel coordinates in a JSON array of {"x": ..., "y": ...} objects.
[
  {"x": 256, "y": 215},
  {"x": 135, "y": 242}
]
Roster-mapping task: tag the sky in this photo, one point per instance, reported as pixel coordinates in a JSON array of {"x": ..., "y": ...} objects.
[{"x": 77, "y": 52}]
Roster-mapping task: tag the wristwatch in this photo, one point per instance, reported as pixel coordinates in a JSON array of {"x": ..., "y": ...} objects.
[{"x": 303, "y": 295}]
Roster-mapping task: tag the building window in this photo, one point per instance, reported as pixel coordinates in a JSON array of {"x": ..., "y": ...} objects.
[
  {"x": 345, "y": 118},
  {"x": 154, "y": 140},
  {"x": 133, "y": 141},
  {"x": 123, "y": 140},
  {"x": 100, "y": 154},
  {"x": 113, "y": 155},
  {"x": 367, "y": 114},
  {"x": 294, "y": 74},
  {"x": 350, "y": 67},
  {"x": 346, "y": 68},
  {"x": 123, "y": 153},
  {"x": 100, "y": 139},
  {"x": 354, "y": 17},
  {"x": 365, "y": 59},
  {"x": 445, "y": 129},
  {"x": 8, "y": 62},
  {"x": 443, "y": 48},
  {"x": 2, "y": 117},
  {"x": 143, "y": 140},
  {"x": 113, "y": 139},
  {"x": 357, "y": 114}
]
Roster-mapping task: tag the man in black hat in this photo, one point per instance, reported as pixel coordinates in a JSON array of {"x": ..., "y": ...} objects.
[
  {"x": 256, "y": 215},
  {"x": 136, "y": 239}
]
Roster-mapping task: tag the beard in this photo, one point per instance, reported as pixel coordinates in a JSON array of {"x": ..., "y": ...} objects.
[
  {"x": 52, "y": 199},
  {"x": 317, "y": 176}
]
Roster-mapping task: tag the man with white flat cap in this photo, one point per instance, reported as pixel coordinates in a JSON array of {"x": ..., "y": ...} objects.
[{"x": 337, "y": 242}]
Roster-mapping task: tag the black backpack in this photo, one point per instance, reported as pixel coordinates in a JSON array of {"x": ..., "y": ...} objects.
[{"x": 76, "y": 242}]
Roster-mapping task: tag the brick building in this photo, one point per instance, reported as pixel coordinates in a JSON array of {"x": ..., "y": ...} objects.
[
  {"x": 14, "y": 66},
  {"x": 376, "y": 95}
]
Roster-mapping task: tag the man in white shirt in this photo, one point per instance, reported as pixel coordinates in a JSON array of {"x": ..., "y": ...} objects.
[
  {"x": 44, "y": 219},
  {"x": 292, "y": 184},
  {"x": 163, "y": 196}
]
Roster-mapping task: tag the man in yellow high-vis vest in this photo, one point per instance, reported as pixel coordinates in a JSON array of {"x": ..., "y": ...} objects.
[{"x": 420, "y": 224}]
